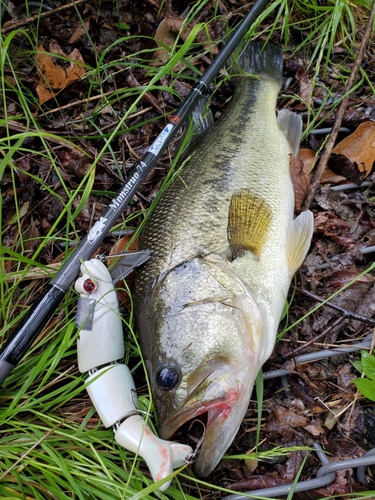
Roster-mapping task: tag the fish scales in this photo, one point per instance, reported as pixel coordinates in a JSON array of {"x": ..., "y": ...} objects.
[{"x": 224, "y": 247}]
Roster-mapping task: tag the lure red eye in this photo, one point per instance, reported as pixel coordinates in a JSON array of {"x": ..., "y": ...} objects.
[{"x": 89, "y": 286}]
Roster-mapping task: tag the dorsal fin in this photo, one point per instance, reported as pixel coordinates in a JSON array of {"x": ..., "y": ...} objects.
[
  {"x": 202, "y": 117},
  {"x": 249, "y": 221},
  {"x": 291, "y": 125}
]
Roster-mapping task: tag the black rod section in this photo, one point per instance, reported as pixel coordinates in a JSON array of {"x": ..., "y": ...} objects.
[{"x": 39, "y": 313}]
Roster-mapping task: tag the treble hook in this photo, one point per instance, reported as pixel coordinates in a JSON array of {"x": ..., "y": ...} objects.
[
  {"x": 193, "y": 455},
  {"x": 133, "y": 393}
]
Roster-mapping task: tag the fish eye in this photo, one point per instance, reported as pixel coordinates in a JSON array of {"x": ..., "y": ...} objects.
[
  {"x": 89, "y": 286},
  {"x": 167, "y": 377}
]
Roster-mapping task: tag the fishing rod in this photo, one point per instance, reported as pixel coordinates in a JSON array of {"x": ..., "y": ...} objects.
[{"x": 18, "y": 343}]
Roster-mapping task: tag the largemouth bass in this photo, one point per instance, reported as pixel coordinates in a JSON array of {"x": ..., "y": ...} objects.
[{"x": 224, "y": 246}]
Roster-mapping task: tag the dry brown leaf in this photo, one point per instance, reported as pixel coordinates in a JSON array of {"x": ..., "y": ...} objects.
[
  {"x": 257, "y": 482},
  {"x": 55, "y": 48},
  {"x": 308, "y": 156},
  {"x": 315, "y": 428},
  {"x": 334, "y": 228},
  {"x": 343, "y": 166},
  {"x": 359, "y": 147},
  {"x": 299, "y": 172},
  {"x": 50, "y": 74},
  {"x": 167, "y": 32},
  {"x": 43, "y": 94},
  {"x": 329, "y": 177},
  {"x": 305, "y": 87},
  {"x": 167, "y": 37},
  {"x": 281, "y": 420},
  {"x": 175, "y": 25},
  {"x": 21, "y": 213},
  {"x": 80, "y": 31},
  {"x": 75, "y": 71},
  {"x": 53, "y": 77},
  {"x": 31, "y": 237}
]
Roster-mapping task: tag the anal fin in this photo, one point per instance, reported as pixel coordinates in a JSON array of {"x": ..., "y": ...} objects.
[
  {"x": 249, "y": 221},
  {"x": 299, "y": 238},
  {"x": 291, "y": 125}
]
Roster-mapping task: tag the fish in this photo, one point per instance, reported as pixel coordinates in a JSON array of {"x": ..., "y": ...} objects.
[{"x": 224, "y": 247}]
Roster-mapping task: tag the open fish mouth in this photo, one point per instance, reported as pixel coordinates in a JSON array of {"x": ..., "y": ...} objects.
[
  {"x": 223, "y": 417},
  {"x": 213, "y": 409}
]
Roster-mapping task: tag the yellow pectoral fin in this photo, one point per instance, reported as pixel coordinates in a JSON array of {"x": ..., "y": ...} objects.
[
  {"x": 249, "y": 222},
  {"x": 299, "y": 238}
]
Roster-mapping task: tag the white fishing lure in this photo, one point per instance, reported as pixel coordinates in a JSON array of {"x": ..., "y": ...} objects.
[{"x": 110, "y": 384}]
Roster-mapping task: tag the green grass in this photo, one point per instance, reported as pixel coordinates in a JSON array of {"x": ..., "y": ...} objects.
[{"x": 51, "y": 442}]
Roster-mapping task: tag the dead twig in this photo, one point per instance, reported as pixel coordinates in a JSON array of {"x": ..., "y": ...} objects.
[
  {"x": 346, "y": 312},
  {"x": 148, "y": 98},
  {"x": 74, "y": 104},
  {"x": 340, "y": 113},
  {"x": 335, "y": 324},
  {"x": 19, "y": 23}
]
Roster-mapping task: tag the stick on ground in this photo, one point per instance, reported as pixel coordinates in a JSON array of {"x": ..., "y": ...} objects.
[{"x": 340, "y": 113}]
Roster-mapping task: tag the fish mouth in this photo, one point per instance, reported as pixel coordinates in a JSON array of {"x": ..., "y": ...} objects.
[{"x": 224, "y": 410}]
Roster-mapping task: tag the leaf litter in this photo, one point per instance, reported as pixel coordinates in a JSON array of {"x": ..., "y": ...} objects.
[
  {"x": 53, "y": 77},
  {"x": 320, "y": 401}
]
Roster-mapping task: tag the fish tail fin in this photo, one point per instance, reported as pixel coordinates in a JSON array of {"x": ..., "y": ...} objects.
[{"x": 263, "y": 60}]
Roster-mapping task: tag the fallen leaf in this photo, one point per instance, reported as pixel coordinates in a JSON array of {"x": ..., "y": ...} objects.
[
  {"x": 305, "y": 87},
  {"x": 81, "y": 30},
  {"x": 359, "y": 147},
  {"x": 21, "y": 213},
  {"x": 335, "y": 228},
  {"x": 43, "y": 94},
  {"x": 257, "y": 482},
  {"x": 55, "y": 48},
  {"x": 301, "y": 180},
  {"x": 308, "y": 156},
  {"x": 333, "y": 417},
  {"x": 281, "y": 420},
  {"x": 175, "y": 24},
  {"x": 330, "y": 177},
  {"x": 75, "y": 71},
  {"x": 50, "y": 74},
  {"x": 343, "y": 166},
  {"x": 345, "y": 376},
  {"x": 340, "y": 485},
  {"x": 52, "y": 77},
  {"x": 315, "y": 428},
  {"x": 166, "y": 37},
  {"x": 293, "y": 464},
  {"x": 167, "y": 32},
  {"x": 31, "y": 237},
  {"x": 342, "y": 277}
]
